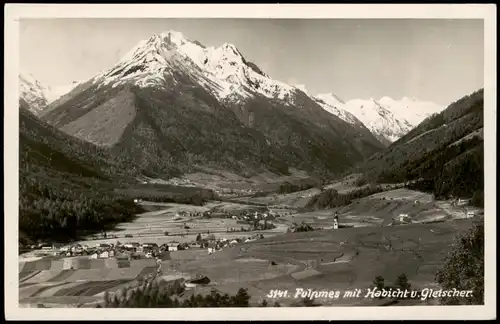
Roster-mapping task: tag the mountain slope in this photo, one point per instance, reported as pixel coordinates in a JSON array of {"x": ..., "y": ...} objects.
[
  {"x": 386, "y": 118},
  {"x": 174, "y": 105},
  {"x": 444, "y": 154},
  {"x": 65, "y": 184}
]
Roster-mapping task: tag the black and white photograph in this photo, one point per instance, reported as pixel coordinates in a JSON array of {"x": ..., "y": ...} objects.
[{"x": 195, "y": 159}]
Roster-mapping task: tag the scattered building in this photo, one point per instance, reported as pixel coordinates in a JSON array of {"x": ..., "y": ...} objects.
[
  {"x": 173, "y": 246},
  {"x": 336, "y": 221},
  {"x": 404, "y": 218},
  {"x": 462, "y": 202}
]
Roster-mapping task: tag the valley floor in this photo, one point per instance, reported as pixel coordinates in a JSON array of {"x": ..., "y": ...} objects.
[{"x": 371, "y": 244}]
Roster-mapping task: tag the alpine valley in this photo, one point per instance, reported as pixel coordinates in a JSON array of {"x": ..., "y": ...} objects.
[{"x": 186, "y": 176}]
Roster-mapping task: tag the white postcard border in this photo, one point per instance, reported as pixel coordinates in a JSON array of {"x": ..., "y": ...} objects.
[{"x": 14, "y": 12}]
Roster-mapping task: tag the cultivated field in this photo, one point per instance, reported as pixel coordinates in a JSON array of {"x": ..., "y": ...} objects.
[
  {"x": 368, "y": 244},
  {"x": 54, "y": 283},
  {"x": 341, "y": 259}
]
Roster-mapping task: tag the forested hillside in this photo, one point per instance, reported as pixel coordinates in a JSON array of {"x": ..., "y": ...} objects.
[
  {"x": 62, "y": 192},
  {"x": 443, "y": 155}
]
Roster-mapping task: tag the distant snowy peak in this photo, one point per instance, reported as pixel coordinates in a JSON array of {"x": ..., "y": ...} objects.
[
  {"x": 412, "y": 110},
  {"x": 221, "y": 70},
  {"x": 33, "y": 92},
  {"x": 390, "y": 119},
  {"x": 37, "y": 95}
]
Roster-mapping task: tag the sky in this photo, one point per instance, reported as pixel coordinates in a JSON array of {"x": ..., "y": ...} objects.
[{"x": 437, "y": 60}]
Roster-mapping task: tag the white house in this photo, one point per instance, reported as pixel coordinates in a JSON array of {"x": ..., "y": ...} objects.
[
  {"x": 173, "y": 246},
  {"x": 403, "y": 217},
  {"x": 471, "y": 214},
  {"x": 104, "y": 254},
  {"x": 93, "y": 256}
]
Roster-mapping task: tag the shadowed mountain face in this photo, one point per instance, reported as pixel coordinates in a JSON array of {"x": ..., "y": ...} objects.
[
  {"x": 66, "y": 184},
  {"x": 172, "y": 106}
]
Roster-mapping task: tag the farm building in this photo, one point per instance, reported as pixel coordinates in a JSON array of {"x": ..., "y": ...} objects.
[
  {"x": 173, "y": 246},
  {"x": 462, "y": 202},
  {"x": 471, "y": 214},
  {"x": 149, "y": 245},
  {"x": 200, "y": 280},
  {"x": 403, "y": 218},
  {"x": 131, "y": 246}
]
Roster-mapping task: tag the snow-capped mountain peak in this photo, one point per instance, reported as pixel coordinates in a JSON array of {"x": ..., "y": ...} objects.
[
  {"x": 221, "y": 70},
  {"x": 389, "y": 119},
  {"x": 33, "y": 92}
]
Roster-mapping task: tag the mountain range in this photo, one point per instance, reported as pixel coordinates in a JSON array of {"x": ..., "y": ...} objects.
[
  {"x": 176, "y": 106},
  {"x": 388, "y": 119},
  {"x": 225, "y": 74}
]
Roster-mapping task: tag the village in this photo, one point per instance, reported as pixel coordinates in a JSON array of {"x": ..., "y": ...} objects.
[
  {"x": 250, "y": 221},
  {"x": 225, "y": 242}
]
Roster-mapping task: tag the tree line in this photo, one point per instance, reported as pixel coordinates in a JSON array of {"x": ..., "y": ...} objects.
[
  {"x": 153, "y": 295},
  {"x": 331, "y": 198},
  {"x": 456, "y": 170}
]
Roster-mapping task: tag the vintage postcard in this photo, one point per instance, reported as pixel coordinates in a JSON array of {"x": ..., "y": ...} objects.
[{"x": 226, "y": 157}]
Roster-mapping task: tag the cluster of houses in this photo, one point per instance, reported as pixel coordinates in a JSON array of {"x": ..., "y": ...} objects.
[
  {"x": 245, "y": 215},
  {"x": 181, "y": 182},
  {"x": 135, "y": 250},
  {"x": 217, "y": 245},
  {"x": 103, "y": 250}
]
